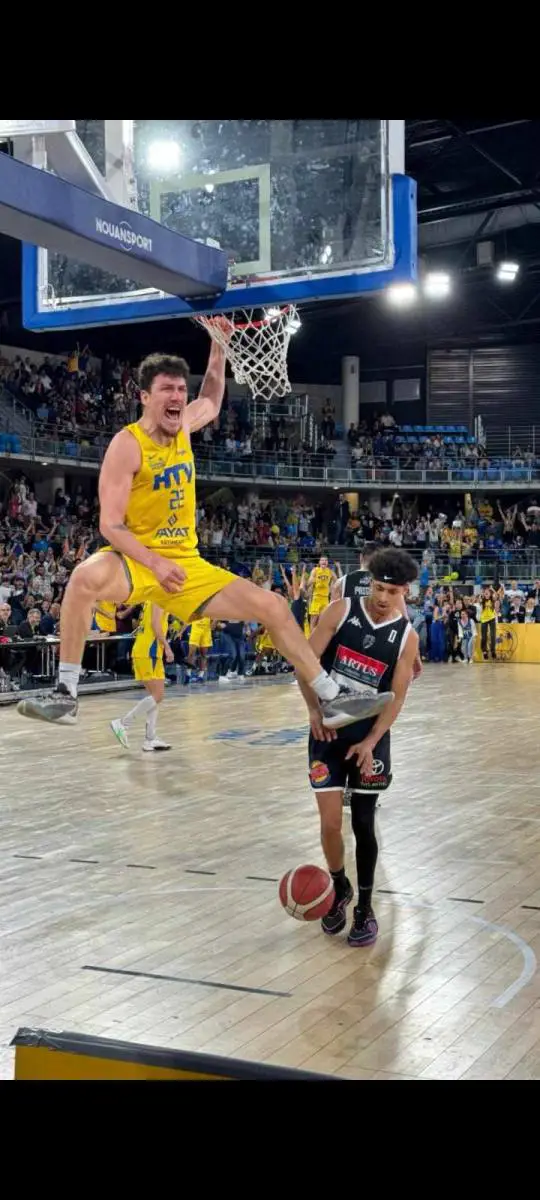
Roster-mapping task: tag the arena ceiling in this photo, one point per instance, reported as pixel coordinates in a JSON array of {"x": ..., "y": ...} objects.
[{"x": 478, "y": 182}]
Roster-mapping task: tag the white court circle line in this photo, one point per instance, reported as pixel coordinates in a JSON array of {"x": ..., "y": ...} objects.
[{"x": 529, "y": 958}]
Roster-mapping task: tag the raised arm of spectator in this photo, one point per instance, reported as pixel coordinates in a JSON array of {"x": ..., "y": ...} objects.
[
  {"x": 401, "y": 603},
  {"x": 288, "y": 585}
]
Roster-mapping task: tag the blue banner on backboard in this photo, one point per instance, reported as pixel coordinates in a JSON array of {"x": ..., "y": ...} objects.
[{"x": 41, "y": 208}]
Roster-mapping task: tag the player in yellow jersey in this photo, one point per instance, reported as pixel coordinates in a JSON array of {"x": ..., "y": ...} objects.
[
  {"x": 200, "y": 642},
  {"x": 149, "y": 649},
  {"x": 147, "y": 503},
  {"x": 320, "y": 581},
  {"x": 104, "y": 618}
]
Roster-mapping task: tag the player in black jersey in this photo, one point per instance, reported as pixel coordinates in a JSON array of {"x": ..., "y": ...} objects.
[
  {"x": 355, "y": 583},
  {"x": 367, "y": 644}
]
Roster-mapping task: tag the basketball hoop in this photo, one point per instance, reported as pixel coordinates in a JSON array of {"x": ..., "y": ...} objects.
[{"x": 257, "y": 346}]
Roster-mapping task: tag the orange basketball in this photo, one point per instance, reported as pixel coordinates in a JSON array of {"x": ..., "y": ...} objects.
[{"x": 307, "y": 893}]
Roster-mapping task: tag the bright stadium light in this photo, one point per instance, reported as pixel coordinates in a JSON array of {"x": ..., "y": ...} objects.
[
  {"x": 437, "y": 285},
  {"x": 164, "y": 157},
  {"x": 507, "y": 271},
  {"x": 401, "y": 295}
]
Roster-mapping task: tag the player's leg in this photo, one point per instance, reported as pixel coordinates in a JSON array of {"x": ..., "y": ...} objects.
[
  {"x": 364, "y": 795},
  {"x": 241, "y": 600},
  {"x": 364, "y": 929},
  {"x": 154, "y": 684},
  {"x": 191, "y": 657},
  {"x": 327, "y": 774},
  {"x": 100, "y": 577},
  {"x": 314, "y": 615},
  {"x": 156, "y": 689},
  {"x": 203, "y": 667}
]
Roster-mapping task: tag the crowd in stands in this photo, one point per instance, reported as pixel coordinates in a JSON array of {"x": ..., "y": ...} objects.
[
  {"x": 41, "y": 544},
  {"x": 81, "y": 402},
  {"x": 70, "y": 397},
  {"x": 449, "y": 619}
]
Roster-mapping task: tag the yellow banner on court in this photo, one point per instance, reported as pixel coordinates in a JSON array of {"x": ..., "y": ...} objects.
[
  {"x": 40, "y": 1054},
  {"x": 515, "y": 643}
]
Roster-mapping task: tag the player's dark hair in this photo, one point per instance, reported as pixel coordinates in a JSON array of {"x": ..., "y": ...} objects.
[
  {"x": 393, "y": 566},
  {"x": 368, "y": 549},
  {"x": 161, "y": 364}
]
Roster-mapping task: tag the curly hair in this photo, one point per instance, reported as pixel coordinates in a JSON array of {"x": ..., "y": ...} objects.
[{"x": 393, "y": 566}]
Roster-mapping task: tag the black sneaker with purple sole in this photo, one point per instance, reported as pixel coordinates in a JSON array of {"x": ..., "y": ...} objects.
[
  {"x": 364, "y": 929},
  {"x": 336, "y": 919}
]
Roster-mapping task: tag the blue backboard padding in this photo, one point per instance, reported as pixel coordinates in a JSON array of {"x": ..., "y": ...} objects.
[
  {"x": 42, "y": 208},
  {"x": 326, "y": 287}
]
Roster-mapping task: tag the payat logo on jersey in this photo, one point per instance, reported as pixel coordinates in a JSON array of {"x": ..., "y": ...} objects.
[
  {"x": 171, "y": 535},
  {"x": 173, "y": 475}
]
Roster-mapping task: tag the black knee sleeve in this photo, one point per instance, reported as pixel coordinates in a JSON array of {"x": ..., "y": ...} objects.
[{"x": 367, "y": 849}]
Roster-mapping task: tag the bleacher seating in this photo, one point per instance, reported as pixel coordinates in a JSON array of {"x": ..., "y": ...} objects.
[{"x": 10, "y": 443}]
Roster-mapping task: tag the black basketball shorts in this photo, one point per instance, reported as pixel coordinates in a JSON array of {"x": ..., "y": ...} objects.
[{"x": 329, "y": 770}]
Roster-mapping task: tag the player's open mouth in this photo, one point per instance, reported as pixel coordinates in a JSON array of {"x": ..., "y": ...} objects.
[{"x": 173, "y": 414}]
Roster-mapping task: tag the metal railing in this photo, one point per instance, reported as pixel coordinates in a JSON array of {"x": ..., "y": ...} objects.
[
  {"x": 274, "y": 471},
  {"x": 502, "y": 441},
  {"x": 15, "y": 417},
  {"x": 519, "y": 564}
]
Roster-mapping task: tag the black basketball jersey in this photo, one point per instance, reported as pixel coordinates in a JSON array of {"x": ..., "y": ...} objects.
[
  {"x": 363, "y": 656},
  {"x": 355, "y": 583}
]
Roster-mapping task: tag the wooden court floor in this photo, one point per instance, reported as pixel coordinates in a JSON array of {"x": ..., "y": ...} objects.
[{"x": 138, "y": 894}]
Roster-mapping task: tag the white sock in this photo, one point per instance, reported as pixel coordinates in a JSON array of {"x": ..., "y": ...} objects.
[
  {"x": 68, "y": 673},
  {"x": 325, "y": 687},
  {"x": 151, "y": 722},
  {"x": 143, "y": 706}
]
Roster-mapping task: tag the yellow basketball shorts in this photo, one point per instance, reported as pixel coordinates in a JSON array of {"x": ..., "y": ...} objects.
[
  {"x": 264, "y": 642},
  {"x": 146, "y": 668},
  {"x": 318, "y": 605},
  {"x": 203, "y": 581},
  {"x": 200, "y": 635}
]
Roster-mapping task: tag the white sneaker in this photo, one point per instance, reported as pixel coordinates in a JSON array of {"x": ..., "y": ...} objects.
[
  {"x": 120, "y": 733},
  {"x": 155, "y": 744},
  {"x": 348, "y": 707}
]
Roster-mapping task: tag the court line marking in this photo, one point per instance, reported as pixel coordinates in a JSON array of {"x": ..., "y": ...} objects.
[
  {"x": 227, "y": 987},
  {"x": 529, "y": 968}
]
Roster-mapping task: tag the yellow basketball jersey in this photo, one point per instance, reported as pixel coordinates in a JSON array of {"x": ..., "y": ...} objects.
[
  {"x": 146, "y": 644},
  {"x": 161, "y": 508},
  {"x": 321, "y": 583}
]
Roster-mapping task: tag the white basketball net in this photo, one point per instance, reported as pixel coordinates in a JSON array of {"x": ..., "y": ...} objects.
[{"x": 257, "y": 347}]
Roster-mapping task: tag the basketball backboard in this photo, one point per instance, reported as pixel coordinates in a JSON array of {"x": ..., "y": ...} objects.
[{"x": 306, "y": 211}]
